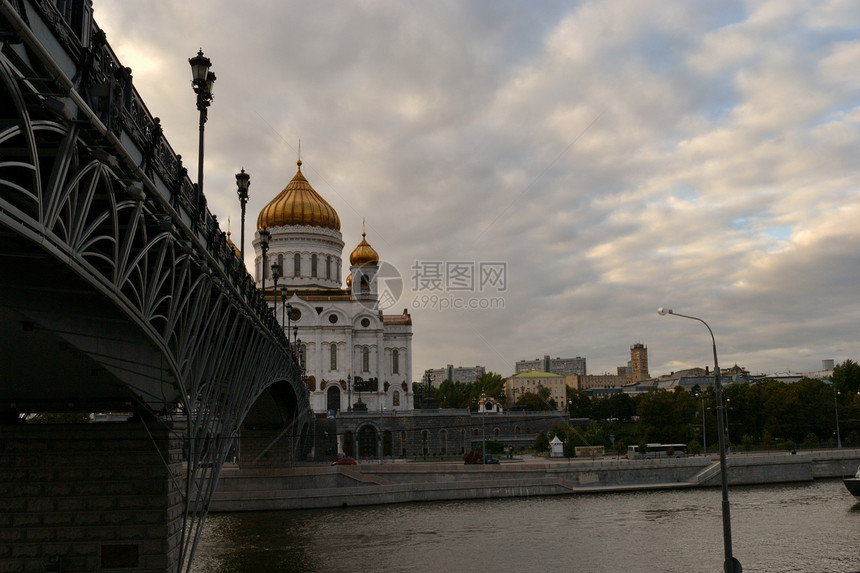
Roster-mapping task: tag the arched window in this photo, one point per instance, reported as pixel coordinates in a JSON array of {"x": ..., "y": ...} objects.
[
  {"x": 395, "y": 362},
  {"x": 313, "y": 266},
  {"x": 283, "y": 269},
  {"x": 365, "y": 359},
  {"x": 334, "y": 356},
  {"x": 395, "y": 398},
  {"x": 328, "y": 268},
  {"x": 297, "y": 265},
  {"x": 303, "y": 353}
]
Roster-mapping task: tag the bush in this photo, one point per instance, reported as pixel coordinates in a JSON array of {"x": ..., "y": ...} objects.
[
  {"x": 495, "y": 447},
  {"x": 694, "y": 447}
]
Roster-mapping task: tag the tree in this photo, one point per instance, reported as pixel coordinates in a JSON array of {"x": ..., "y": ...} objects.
[
  {"x": 541, "y": 442},
  {"x": 579, "y": 403},
  {"x": 846, "y": 377}
]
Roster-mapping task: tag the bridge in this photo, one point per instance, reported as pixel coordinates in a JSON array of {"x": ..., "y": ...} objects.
[{"x": 120, "y": 296}]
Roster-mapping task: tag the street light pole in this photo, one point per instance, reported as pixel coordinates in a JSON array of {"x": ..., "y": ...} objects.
[
  {"x": 203, "y": 81},
  {"x": 243, "y": 181},
  {"x": 264, "y": 249},
  {"x": 836, "y": 407},
  {"x": 704, "y": 427},
  {"x": 276, "y": 274},
  {"x": 730, "y": 565}
]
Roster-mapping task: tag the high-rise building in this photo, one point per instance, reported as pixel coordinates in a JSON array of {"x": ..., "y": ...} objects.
[
  {"x": 435, "y": 376},
  {"x": 560, "y": 366}
]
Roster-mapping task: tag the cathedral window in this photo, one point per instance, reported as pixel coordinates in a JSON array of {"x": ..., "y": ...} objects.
[
  {"x": 281, "y": 264},
  {"x": 313, "y": 266},
  {"x": 328, "y": 268},
  {"x": 303, "y": 354},
  {"x": 297, "y": 265},
  {"x": 334, "y": 356},
  {"x": 395, "y": 398},
  {"x": 395, "y": 362},
  {"x": 365, "y": 360}
]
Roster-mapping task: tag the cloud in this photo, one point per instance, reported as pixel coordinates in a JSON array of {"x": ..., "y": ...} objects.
[{"x": 617, "y": 156}]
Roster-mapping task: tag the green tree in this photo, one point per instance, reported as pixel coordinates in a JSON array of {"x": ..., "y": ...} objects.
[
  {"x": 579, "y": 403},
  {"x": 541, "y": 442},
  {"x": 846, "y": 377}
]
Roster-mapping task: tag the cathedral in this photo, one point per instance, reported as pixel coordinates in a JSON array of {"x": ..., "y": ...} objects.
[{"x": 354, "y": 357}]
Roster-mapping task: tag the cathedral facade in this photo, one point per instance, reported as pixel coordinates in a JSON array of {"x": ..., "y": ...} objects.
[{"x": 355, "y": 357}]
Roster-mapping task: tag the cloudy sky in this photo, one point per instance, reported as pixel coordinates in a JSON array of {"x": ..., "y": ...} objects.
[{"x": 617, "y": 156}]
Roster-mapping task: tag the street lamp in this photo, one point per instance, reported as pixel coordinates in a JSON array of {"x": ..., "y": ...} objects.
[
  {"x": 243, "y": 181},
  {"x": 704, "y": 428},
  {"x": 265, "y": 235},
  {"x": 730, "y": 565},
  {"x": 276, "y": 274},
  {"x": 284, "y": 313},
  {"x": 836, "y": 407},
  {"x": 203, "y": 81},
  {"x": 349, "y": 391},
  {"x": 728, "y": 407}
]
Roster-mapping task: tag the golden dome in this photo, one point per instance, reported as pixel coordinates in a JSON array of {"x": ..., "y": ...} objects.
[
  {"x": 363, "y": 254},
  {"x": 348, "y": 281},
  {"x": 299, "y": 204},
  {"x": 233, "y": 246}
]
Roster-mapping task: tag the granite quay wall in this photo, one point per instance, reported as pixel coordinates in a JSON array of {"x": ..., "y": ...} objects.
[
  {"x": 89, "y": 497},
  {"x": 372, "y": 483}
]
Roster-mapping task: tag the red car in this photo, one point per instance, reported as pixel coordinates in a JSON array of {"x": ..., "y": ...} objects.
[{"x": 345, "y": 462}]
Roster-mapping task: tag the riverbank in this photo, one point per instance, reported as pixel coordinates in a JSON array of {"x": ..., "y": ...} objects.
[{"x": 372, "y": 483}]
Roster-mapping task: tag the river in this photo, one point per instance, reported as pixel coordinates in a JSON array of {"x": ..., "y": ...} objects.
[{"x": 806, "y": 527}]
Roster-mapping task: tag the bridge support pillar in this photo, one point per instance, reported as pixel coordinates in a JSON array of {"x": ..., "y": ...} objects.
[{"x": 90, "y": 497}]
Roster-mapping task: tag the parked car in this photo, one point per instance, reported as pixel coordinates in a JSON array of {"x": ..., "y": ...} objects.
[
  {"x": 347, "y": 461},
  {"x": 490, "y": 460}
]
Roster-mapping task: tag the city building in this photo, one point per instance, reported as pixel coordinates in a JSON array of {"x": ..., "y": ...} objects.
[
  {"x": 519, "y": 384},
  {"x": 585, "y": 382},
  {"x": 354, "y": 356},
  {"x": 433, "y": 377},
  {"x": 639, "y": 363},
  {"x": 561, "y": 366}
]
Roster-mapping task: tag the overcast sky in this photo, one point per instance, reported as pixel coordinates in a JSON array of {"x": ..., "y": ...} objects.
[{"x": 617, "y": 156}]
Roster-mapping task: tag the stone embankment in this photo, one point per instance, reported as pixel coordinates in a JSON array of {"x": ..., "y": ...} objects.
[{"x": 372, "y": 483}]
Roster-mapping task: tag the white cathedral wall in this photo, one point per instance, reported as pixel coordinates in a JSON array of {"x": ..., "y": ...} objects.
[{"x": 317, "y": 334}]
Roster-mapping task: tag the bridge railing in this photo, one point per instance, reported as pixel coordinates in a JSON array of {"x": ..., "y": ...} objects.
[{"x": 107, "y": 89}]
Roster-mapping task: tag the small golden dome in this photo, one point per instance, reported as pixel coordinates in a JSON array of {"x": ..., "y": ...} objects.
[
  {"x": 363, "y": 254},
  {"x": 348, "y": 281},
  {"x": 299, "y": 204},
  {"x": 233, "y": 246}
]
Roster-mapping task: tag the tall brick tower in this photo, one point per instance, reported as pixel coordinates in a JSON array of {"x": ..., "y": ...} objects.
[{"x": 639, "y": 362}]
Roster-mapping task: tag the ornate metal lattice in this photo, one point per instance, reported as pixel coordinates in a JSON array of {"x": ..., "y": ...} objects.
[{"x": 86, "y": 177}]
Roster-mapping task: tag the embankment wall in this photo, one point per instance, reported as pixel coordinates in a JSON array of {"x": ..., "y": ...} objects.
[{"x": 399, "y": 482}]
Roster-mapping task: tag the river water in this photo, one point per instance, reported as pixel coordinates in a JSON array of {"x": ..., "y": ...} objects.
[{"x": 809, "y": 527}]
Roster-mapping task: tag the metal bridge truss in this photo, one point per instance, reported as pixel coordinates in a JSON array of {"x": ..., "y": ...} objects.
[{"x": 88, "y": 183}]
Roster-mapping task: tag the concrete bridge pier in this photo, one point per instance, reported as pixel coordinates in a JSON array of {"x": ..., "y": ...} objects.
[{"x": 90, "y": 497}]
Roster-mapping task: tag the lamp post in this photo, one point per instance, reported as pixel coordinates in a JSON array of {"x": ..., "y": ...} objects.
[
  {"x": 728, "y": 435},
  {"x": 243, "y": 181},
  {"x": 203, "y": 81},
  {"x": 264, "y": 249},
  {"x": 730, "y": 565},
  {"x": 284, "y": 313},
  {"x": 704, "y": 428},
  {"x": 349, "y": 391},
  {"x": 276, "y": 274},
  {"x": 836, "y": 407}
]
